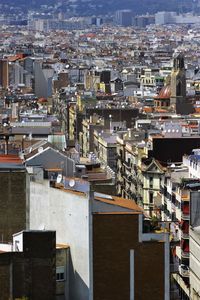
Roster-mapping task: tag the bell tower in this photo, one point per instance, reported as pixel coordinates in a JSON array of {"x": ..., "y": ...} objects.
[{"x": 178, "y": 83}]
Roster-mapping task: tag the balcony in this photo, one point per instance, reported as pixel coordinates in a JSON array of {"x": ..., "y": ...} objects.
[
  {"x": 178, "y": 214},
  {"x": 185, "y": 216},
  {"x": 134, "y": 181},
  {"x": 178, "y": 252},
  {"x": 185, "y": 197},
  {"x": 140, "y": 181},
  {"x": 133, "y": 196},
  {"x": 162, "y": 191},
  {"x": 185, "y": 249},
  {"x": 128, "y": 180},
  {"x": 185, "y": 254},
  {"x": 181, "y": 282},
  {"x": 127, "y": 165},
  {"x": 184, "y": 235},
  {"x": 184, "y": 270},
  {"x": 119, "y": 181},
  {"x": 185, "y": 209}
]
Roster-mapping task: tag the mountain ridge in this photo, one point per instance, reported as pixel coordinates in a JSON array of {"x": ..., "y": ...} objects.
[{"x": 84, "y": 7}]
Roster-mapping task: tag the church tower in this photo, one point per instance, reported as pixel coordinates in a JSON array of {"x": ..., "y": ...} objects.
[{"x": 178, "y": 84}]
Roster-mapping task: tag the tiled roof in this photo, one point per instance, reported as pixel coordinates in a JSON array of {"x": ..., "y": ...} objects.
[
  {"x": 10, "y": 159},
  {"x": 122, "y": 202},
  {"x": 10, "y": 162}
]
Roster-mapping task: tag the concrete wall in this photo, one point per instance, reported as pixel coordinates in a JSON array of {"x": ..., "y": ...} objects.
[{"x": 68, "y": 214}]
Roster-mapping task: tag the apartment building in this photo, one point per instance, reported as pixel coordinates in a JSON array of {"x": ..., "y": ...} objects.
[
  {"x": 4, "y": 82},
  {"x": 101, "y": 257},
  {"x": 194, "y": 246},
  {"x": 138, "y": 176},
  {"x": 176, "y": 213},
  {"x": 105, "y": 148},
  {"x": 43, "y": 74},
  {"x": 151, "y": 78},
  {"x": 87, "y": 134},
  {"x": 129, "y": 155}
]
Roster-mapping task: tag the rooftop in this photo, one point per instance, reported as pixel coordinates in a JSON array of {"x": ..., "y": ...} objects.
[
  {"x": 81, "y": 187},
  {"x": 10, "y": 162},
  {"x": 122, "y": 202}
]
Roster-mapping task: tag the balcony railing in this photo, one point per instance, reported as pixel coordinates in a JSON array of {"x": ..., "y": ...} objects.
[
  {"x": 127, "y": 165},
  {"x": 184, "y": 235},
  {"x": 185, "y": 216},
  {"x": 184, "y": 271},
  {"x": 185, "y": 254}
]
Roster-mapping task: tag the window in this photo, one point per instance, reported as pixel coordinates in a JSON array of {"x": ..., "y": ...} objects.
[
  {"x": 150, "y": 211},
  {"x": 151, "y": 198},
  {"x": 60, "y": 273},
  {"x": 151, "y": 182}
]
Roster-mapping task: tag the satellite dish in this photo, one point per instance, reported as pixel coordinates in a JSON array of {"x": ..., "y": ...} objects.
[
  {"x": 59, "y": 178},
  {"x": 72, "y": 183}
]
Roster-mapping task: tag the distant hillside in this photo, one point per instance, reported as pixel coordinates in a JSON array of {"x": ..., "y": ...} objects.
[
  {"x": 104, "y": 6},
  {"x": 138, "y": 6}
]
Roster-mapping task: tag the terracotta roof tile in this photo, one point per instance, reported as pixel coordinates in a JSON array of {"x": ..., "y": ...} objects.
[
  {"x": 122, "y": 202},
  {"x": 10, "y": 159}
]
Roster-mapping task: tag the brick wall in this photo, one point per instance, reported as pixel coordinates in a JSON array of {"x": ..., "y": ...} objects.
[
  {"x": 30, "y": 273},
  {"x": 4, "y": 276},
  {"x": 12, "y": 204},
  {"x": 113, "y": 237}
]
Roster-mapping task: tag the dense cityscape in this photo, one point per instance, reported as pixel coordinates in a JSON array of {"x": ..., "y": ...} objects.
[{"x": 99, "y": 150}]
